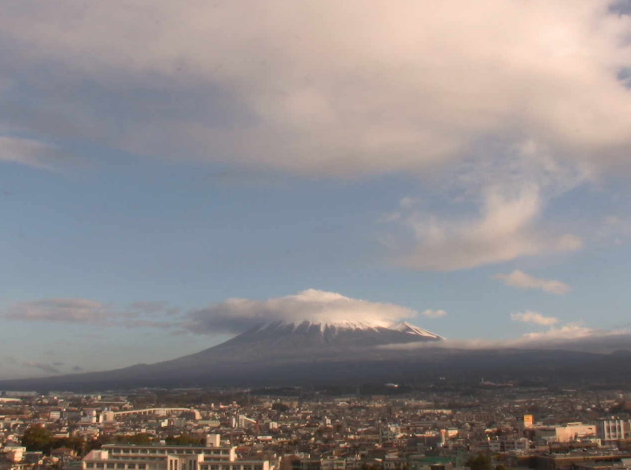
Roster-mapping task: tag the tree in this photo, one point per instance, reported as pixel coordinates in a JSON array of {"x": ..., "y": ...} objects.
[
  {"x": 184, "y": 440},
  {"x": 140, "y": 439},
  {"x": 37, "y": 438},
  {"x": 280, "y": 407},
  {"x": 479, "y": 462}
]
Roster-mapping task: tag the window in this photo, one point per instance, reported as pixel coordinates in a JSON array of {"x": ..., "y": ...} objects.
[
  {"x": 89, "y": 465},
  {"x": 110, "y": 465},
  {"x": 142, "y": 466},
  {"x": 120, "y": 465},
  {"x": 131, "y": 465}
]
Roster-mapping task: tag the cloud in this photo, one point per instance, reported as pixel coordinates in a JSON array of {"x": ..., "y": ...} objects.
[
  {"x": 233, "y": 315},
  {"x": 302, "y": 92},
  {"x": 434, "y": 313},
  {"x": 59, "y": 310},
  {"x": 44, "y": 367},
  {"x": 29, "y": 152},
  {"x": 92, "y": 312},
  {"x": 571, "y": 336},
  {"x": 238, "y": 315},
  {"x": 568, "y": 331},
  {"x": 505, "y": 230},
  {"x": 534, "y": 317},
  {"x": 522, "y": 280}
]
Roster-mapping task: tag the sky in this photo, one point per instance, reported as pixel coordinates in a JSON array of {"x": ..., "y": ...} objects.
[{"x": 172, "y": 173}]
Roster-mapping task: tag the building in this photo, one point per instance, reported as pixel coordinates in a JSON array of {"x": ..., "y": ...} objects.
[
  {"x": 569, "y": 432},
  {"x": 214, "y": 456},
  {"x": 613, "y": 429}
]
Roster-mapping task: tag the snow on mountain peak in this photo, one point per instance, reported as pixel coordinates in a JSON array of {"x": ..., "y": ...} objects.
[
  {"x": 329, "y": 324},
  {"x": 339, "y": 324},
  {"x": 406, "y": 327}
]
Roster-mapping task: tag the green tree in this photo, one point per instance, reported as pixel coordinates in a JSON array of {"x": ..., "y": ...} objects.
[{"x": 37, "y": 438}]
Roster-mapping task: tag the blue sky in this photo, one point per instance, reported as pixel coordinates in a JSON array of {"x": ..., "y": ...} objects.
[{"x": 147, "y": 177}]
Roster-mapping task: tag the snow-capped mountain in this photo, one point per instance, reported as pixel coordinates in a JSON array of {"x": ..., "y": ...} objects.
[
  {"x": 270, "y": 351},
  {"x": 305, "y": 337},
  {"x": 337, "y": 352},
  {"x": 333, "y": 328}
]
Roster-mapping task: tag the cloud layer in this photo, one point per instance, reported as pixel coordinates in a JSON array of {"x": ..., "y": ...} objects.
[
  {"x": 522, "y": 280},
  {"x": 238, "y": 315},
  {"x": 233, "y": 316},
  {"x": 321, "y": 87},
  {"x": 532, "y": 92}
]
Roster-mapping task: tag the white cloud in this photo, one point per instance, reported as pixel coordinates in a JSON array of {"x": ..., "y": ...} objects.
[
  {"x": 522, "y": 280},
  {"x": 565, "y": 332},
  {"x": 505, "y": 230},
  {"x": 534, "y": 317},
  {"x": 238, "y": 315},
  {"x": 324, "y": 86},
  {"x": 570, "y": 336},
  {"x": 434, "y": 313},
  {"x": 524, "y": 92}
]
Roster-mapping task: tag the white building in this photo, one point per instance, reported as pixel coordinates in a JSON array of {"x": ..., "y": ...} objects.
[
  {"x": 214, "y": 456},
  {"x": 613, "y": 429}
]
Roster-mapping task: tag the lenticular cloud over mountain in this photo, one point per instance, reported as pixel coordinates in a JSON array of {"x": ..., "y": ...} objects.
[{"x": 315, "y": 306}]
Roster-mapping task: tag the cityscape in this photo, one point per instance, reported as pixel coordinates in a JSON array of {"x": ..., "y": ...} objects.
[{"x": 485, "y": 426}]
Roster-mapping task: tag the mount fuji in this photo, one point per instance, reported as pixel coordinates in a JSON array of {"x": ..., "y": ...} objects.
[
  {"x": 339, "y": 352},
  {"x": 273, "y": 352}
]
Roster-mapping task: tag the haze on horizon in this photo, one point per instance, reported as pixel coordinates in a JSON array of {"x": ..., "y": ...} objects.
[{"x": 175, "y": 173}]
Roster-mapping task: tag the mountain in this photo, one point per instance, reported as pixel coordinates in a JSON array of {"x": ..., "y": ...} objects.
[
  {"x": 341, "y": 352},
  {"x": 262, "y": 353}
]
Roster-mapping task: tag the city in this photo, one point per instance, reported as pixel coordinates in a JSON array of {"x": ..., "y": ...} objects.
[{"x": 488, "y": 426}]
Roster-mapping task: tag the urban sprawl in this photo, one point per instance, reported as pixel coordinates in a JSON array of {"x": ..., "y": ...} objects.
[{"x": 486, "y": 427}]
